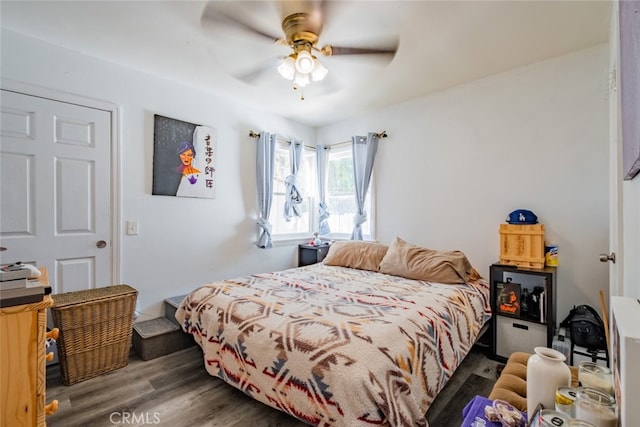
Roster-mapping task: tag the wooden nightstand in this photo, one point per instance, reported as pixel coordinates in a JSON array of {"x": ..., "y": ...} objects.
[
  {"x": 311, "y": 254},
  {"x": 526, "y": 328}
]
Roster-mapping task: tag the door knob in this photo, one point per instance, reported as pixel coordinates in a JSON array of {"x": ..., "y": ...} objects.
[
  {"x": 101, "y": 244},
  {"x": 606, "y": 258}
]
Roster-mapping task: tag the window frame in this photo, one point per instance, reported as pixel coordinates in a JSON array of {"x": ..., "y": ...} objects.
[
  {"x": 286, "y": 238},
  {"x": 370, "y": 208}
]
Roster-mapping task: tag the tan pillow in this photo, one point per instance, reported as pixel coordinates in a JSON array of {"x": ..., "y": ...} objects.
[
  {"x": 356, "y": 254},
  {"x": 414, "y": 262}
]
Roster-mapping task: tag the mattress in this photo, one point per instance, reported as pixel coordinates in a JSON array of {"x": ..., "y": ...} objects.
[{"x": 337, "y": 346}]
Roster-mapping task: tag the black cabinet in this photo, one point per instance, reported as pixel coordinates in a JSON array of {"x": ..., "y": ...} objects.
[
  {"x": 523, "y": 302},
  {"x": 311, "y": 254}
]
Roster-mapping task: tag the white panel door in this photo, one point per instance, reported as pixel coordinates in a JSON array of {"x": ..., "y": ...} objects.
[{"x": 55, "y": 189}]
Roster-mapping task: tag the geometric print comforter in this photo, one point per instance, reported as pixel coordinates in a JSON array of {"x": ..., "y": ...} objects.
[{"x": 336, "y": 346}]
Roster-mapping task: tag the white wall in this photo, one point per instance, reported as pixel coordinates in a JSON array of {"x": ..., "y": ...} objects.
[
  {"x": 457, "y": 162},
  {"x": 183, "y": 242}
]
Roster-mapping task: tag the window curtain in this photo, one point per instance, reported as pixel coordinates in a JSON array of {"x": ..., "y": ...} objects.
[
  {"x": 323, "y": 211},
  {"x": 293, "y": 197},
  {"x": 265, "y": 161},
  {"x": 364, "y": 154}
]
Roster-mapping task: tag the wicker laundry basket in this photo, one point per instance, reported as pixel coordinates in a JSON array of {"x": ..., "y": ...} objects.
[{"x": 95, "y": 330}]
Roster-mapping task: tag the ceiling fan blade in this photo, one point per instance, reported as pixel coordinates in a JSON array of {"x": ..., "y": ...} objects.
[
  {"x": 254, "y": 74},
  {"x": 327, "y": 9},
  {"x": 212, "y": 14},
  {"x": 338, "y": 50}
]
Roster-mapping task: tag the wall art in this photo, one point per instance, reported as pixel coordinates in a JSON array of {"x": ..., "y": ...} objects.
[
  {"x": 184, "y": 159},
  {"x": 630, "y": 87}
]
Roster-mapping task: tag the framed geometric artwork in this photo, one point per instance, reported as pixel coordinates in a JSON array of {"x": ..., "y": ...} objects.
[
  {"x": 630, "y": 87},
  {"x": 184, "y": 159}
]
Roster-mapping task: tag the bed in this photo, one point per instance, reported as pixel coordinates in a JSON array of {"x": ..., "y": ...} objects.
[{"x": 340, "y": 343}]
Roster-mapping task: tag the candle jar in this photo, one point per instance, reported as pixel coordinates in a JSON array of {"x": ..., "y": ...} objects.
[
  {"x": 548, "y": 418},
  {"x": 596, "y": 407},
  {"x": 595, "y": 376},
  {"x": 565, "y": 400}
]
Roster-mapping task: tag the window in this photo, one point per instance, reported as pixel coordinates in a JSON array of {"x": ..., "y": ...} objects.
[
  {"x": 298, "y": 227},
  {"x": 340, "y": 194}
]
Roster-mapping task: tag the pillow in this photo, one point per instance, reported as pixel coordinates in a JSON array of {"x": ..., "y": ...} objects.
[
  {"x": 414, "y": 262},
  {"x": 356, "y": 254}
]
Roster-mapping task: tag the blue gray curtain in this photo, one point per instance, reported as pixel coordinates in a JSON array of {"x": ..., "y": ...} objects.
[
  {"x": 364, "y": 154},
  {"x": 293, "y": 197},
  {"x": 265, "y": 161},
  {"x": 323, "y": 210}
]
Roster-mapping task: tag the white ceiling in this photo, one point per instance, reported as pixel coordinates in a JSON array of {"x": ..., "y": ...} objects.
[{"x": 441, "y": 44}]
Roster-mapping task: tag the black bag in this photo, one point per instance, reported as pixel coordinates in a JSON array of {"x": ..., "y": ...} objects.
[{"x": 586, "y": 328}]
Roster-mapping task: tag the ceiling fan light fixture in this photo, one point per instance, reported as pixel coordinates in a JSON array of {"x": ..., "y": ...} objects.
[
  {"x": 304, "y": 62},
  {"x": 319, "y": 71},
  {"x": 287, "y": 67},
  {"x": 301, "y": 79}
]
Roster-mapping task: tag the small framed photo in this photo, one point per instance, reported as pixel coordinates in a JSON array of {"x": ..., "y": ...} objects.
[{"x": 508, "y": 299}]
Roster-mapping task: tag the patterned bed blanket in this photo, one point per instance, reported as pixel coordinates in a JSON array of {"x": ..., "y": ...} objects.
[{"x": 335, "y": 346}]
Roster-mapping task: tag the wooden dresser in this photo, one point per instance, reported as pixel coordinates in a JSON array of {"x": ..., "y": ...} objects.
[{"x": 23, "y": 364}]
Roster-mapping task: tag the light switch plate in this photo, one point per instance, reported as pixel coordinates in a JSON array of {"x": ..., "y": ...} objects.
[{"x": 132, "y": 228}]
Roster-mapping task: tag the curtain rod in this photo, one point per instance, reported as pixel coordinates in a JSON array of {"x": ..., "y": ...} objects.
[
  {"x": 254, "y": 134},
  {"x": 380, "y": 135}
]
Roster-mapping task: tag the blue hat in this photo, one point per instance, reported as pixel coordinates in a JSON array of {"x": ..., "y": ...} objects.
[{"x": 522, "y": 216}]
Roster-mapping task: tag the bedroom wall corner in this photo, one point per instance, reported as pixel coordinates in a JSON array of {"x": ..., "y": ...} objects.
[
  {"x": 182, "y": 242},
  {"x": 458, "y": 161}
]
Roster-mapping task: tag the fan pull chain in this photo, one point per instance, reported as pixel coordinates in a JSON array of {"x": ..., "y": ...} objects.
[{"x": 295, "y": 87}]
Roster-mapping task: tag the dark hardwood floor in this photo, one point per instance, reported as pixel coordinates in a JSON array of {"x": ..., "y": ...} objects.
[{"x": 175, "y": 390}]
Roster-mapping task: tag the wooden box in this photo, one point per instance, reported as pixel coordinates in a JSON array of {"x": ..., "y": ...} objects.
[{"x": 522, "y": 245}]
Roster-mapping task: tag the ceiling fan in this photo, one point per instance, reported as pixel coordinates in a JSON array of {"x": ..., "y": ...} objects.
[{"x": 301, "y": 32}]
